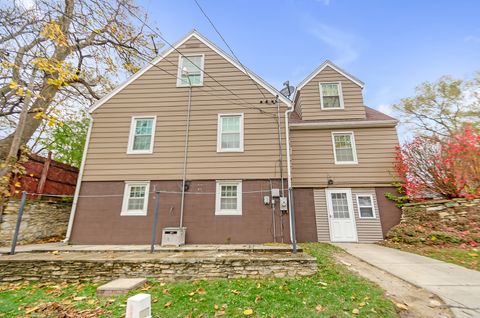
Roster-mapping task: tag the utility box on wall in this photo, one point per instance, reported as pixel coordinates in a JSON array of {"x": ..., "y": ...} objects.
[{"x": 173, "y": 236}]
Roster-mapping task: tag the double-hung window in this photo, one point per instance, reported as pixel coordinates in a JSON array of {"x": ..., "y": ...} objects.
[
  {"x": 365, "y": 206},
  {"x": 228, "y": 198},
  {"x": 142, "y": 132},
  {"x": 135, "y": 198},
  {"x": 331, "y": 96},
  {"x": 190, "y": 70},
  {"x": 230, "y": 133},
  {"x": 344, "y": 148}
]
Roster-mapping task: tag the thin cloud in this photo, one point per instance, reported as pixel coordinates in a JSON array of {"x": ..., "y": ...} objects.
[
  {"x": 472, "y": 38},
  {"x": 343, "y": 43},
  {"x": 386, "y": 109}
]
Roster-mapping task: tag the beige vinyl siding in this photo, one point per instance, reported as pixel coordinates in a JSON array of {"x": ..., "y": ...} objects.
[
  {"x": 321, "y": 215},
  {"x": 309, "y": 99},
  {"x": 368, "y": 230},
  {"x": 313, "y": 160},
  {"x": 156, "y": 93}
]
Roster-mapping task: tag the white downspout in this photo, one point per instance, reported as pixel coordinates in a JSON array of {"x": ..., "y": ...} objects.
[
  {"x": 79, "y": 182},
  {"x": 289, "y": 182}
]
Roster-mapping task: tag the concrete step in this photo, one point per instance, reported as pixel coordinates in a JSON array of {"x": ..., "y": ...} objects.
[{"x": 119, "y": 286}]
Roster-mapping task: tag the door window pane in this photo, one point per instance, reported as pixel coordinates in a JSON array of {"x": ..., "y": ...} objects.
[{"x": 340, "y": 205}]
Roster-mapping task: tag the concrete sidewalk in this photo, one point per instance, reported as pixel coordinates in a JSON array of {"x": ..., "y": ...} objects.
[{"x": 459, "y": 287}]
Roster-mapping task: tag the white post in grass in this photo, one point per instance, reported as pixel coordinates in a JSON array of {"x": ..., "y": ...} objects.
[{"x": 139, "y": 306}]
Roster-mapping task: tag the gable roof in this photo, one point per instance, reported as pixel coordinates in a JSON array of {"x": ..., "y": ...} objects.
[
  {"x": 208, "y": 43},
  {"x": 336, "y": 68}
]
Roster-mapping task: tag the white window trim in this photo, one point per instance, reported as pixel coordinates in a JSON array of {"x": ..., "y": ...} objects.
[
  {"x": 373, "y": 206},
  {"x": 126, "y": 196},
  {"x": 219, "y": 133},
  {"x": 131, "y": 136},
  {"x": 340, "y": 95},
  {"x": 354, "y": 148},
  {"x": 180, "y": 67},
  {"x": 218, "y": 210}
]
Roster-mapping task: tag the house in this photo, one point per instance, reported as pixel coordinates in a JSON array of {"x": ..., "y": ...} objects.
[{"x": 210, "y": 139}]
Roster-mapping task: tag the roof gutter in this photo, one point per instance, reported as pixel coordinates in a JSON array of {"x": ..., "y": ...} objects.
[
  {"x": 79, "y": 182},
  {"x": 291, "y": 208},
  {"x": 345, "y": 124}
]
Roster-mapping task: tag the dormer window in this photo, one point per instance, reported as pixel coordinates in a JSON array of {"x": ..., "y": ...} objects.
[
  {"x": 190, "y": 70},
  {"x": 331, "y": 96}
]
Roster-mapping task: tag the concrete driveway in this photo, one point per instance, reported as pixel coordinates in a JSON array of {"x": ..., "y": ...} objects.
[{"x": 458, "y": 287}]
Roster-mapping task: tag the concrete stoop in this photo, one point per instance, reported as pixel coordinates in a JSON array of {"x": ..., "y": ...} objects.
[
  {"x": 105, "y": 266},
  {"x": 119, "y": 286}
]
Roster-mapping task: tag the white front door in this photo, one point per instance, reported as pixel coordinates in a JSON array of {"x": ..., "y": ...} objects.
[{"x": 341, "y": 217}]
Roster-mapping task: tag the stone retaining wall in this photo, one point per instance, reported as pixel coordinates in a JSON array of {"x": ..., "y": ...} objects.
[
  {"x": 165, "y": 269},
  {"x": 443, "y": 212},
  {"x": 41, "y": 219}
]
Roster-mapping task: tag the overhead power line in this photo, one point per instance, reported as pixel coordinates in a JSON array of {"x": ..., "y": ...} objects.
[
  {"x": 246, "y": 103},
  {"x": 228, "y": 46}
]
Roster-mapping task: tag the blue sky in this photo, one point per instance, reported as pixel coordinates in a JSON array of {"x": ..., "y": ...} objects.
[{"x": 391, "y": 45}]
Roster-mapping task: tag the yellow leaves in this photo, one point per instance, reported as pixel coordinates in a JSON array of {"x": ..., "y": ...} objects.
[
  {"x": 53, "y": 31},
  {"x": 355, "y": 311},
  {"x": 401, "y": 306},
  {"x": 17, "y": 184},
  {"x": 130, "y": 67},
  {"x": 168, "y": 304},
  {"x": 473, "y": 254},
  {"x": 13, "y": 85},
  {"x": 62, "y": 73},
  {"x": 319, "y": 308},
  {"x": 248, "y": 312},
  {"x": 20, "y": 91}
]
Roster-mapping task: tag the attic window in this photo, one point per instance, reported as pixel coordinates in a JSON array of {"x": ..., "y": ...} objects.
[
  {"x": 190, "y": 70},
  {"x": 331, "y": 96}
]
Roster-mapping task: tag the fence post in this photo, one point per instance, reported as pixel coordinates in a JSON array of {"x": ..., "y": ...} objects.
[
  {"x": 43, "y": 176},
  {"x": 155, "y": 221},
  {"x": 19, "y": 220}
]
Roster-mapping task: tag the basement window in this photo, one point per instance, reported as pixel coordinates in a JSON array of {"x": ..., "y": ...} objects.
[
  {"x": 135, "y": 198},
  {"x": 190, "y": 70},
  {"x": 344, "y": 148},
  {"x": 228, "y": 198},
  {"x": 230, "y": 133},
  {"x": 365, "y": 206},
  {"x": 331, "y": 96},
  {"x": 142, "y": 131}
]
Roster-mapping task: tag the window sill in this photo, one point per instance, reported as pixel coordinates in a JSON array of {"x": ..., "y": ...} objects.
[
  {"x": 230, "y": 150},
  {"x": 143, "y": 152},
  {"x": 130, "y": 213},
  {"x": 193, "y": 85},
  {"x": 220, "y": 213},
  {"x": 346, "y": 163}
]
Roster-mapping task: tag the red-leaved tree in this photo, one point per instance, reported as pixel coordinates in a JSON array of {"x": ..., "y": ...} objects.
[{"x": 448, "y": 168}]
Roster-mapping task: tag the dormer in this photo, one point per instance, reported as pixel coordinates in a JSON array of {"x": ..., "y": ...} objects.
[{"x": 330, "y": 93}]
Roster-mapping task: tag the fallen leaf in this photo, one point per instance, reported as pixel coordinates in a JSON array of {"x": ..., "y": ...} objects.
[
  {"x": 258, "y": 298},
  {"x": 319, "y": 308},
  {"x": 201, "y": 291},
  {"x": 219, "y": 313},
  {"x": 168, "y": 304},
  {"x": 236, "y": 292},
  {"x": 355, "y": 311},
  {"x": 215, "y": 307},
  {"x": 79, "y": 298},
  {"x": 165, "y": 291},
  {"x": 362, "y": 304},
  {"x": 401, "y": 306},
  {"x": 248, "y": 312},
  {"x": 191, "y": 294}
]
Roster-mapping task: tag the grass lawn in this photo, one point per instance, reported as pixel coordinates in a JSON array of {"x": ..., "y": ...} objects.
[
  {"x": 332, "y": 292},
  {"x": 469, "y": 258}
]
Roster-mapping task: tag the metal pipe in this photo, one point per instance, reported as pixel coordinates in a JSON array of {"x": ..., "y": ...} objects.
[
  {"x": 280, "y": 146},
  {"x": 155, "y": 221},
  {"x": 185, "y": 152},
  {"x": 291, "y": 208},
  {"x": 19, "y": 220},
  {"x": 273, "y": 214}
]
